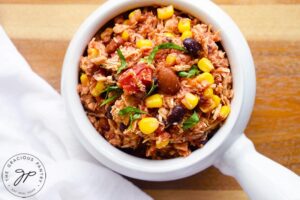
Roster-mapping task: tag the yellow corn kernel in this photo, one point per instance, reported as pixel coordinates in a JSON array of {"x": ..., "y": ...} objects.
[
  {"x": 171, "y": 59},
  {"x": 144, "y": 43},
  {"x": 190, "y": 101},
  {"x": 184, "y": 24},
  {"x": 165, "y": 12},
  {"x": 216, "y": 100},
  {"x": 207, "y": 77},
  {"x": 135, "y": 15},
  {"x": 125, "y": 35},
  {"x": 93, "y": 53},
  {"x": 213, "y": 103},
  {"x": 84, "y": 80},
  {"x": 98, "y": 89},
  {"x": 154, "y": 101},
  {"x": 161, "y": 143},
  {"x": 224, "y": 112},
  {"x": 208, "y": 92},
  {"x": 131, "y": 15},
  {"x": 186, "y": 34},
  {"x": 148, "y": 125},
  {"x": 169, "y": 35},
  {"x": 205, "y": 65},
  {"x": 126, "y": 22},
  {"x": 205, "y": 108}
]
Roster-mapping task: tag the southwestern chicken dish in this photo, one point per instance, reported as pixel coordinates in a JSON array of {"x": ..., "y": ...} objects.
[{"x": 156, "y": 82}]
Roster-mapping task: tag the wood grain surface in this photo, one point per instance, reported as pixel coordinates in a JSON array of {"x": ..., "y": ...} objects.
[{"x": 41, "y": 31}]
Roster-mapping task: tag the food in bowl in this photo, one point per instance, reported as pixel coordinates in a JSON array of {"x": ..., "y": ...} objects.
[{"x": 156, "y": 82}]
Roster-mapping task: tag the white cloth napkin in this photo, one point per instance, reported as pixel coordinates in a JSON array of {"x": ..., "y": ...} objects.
[{"x": 32, "y": 120}]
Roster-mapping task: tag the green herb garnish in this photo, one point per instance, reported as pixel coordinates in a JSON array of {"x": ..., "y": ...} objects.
[
  {"x": 153, "y": 87},
  {"x": 110, "y": 99},
  {"x": 163, "y": 46},
  {"x": 112, "y": 88},
  {"x": 144, "y": 59},
  {"x": 123, "y": 61},
  {"x": 133, "y": 112},
  {"x": 191, "y": 73},
  {"x": 190, "y": 122},
  {"x": 132, "y": 118},
  {"x": 183, "y": 74}
]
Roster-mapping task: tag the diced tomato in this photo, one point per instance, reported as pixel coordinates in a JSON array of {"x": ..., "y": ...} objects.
[
  {"x": 144, "y": 73},
  {"x": 129, "y": 79}
]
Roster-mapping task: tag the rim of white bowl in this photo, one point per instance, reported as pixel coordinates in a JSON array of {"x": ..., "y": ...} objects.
[{"x": 244, "y": 93}]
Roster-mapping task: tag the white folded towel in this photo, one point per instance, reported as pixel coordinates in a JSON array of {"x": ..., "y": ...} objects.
[{"x": 33, "y": 120}]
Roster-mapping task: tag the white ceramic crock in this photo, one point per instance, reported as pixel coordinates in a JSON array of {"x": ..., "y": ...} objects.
[{"x": 229, "y": 150}]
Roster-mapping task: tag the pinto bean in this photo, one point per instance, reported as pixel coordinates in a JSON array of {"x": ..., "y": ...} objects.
[
  {"x": 168, "y": 82},
  {"x": 114, "y": 44}
]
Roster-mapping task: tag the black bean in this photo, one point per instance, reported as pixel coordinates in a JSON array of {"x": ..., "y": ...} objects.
[
  {"x": 122, "y": 127},
  {"x": 155, "y": 80},
  {"x": 108, "y": 114},
  {"x": 192, "y": 46},
  {"x": 220, "y": 46},
  {"x": 165, "y": 122},
  {"x": 176, "y": 115}
]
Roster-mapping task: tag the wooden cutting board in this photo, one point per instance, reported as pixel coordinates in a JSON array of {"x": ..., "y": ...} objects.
[{"x": 41, "y": 30}]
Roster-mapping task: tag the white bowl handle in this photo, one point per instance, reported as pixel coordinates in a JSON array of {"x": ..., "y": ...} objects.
[{"x": 259, "y": 176}]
